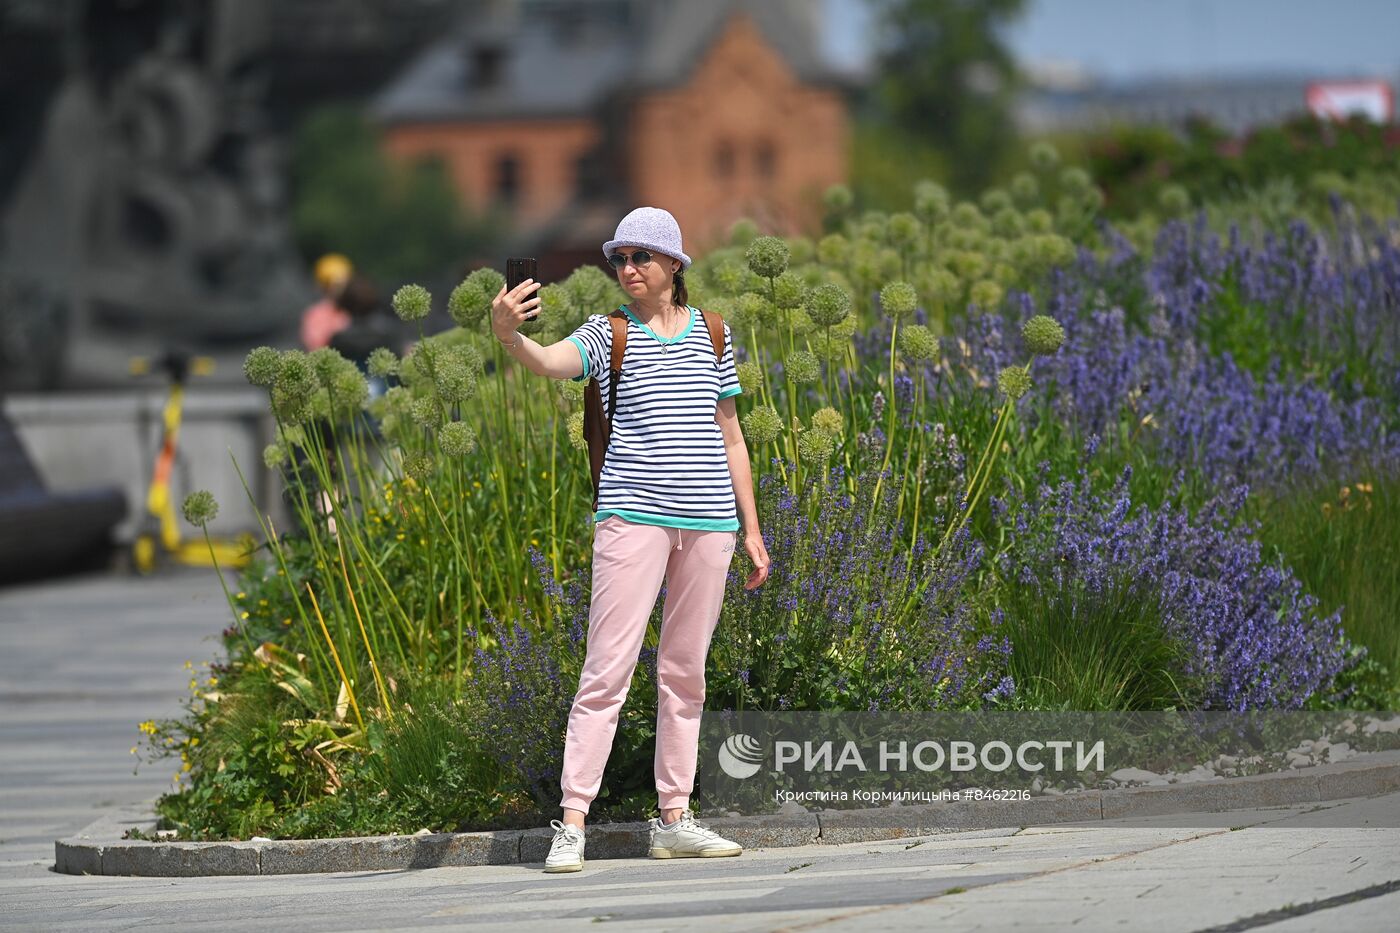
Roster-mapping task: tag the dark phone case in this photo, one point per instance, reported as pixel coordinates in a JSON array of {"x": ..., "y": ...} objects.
[{"x": 520, "y": 269}]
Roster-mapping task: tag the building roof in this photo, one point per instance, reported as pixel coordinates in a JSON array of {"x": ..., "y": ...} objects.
[{"x": 559, "y": 58}]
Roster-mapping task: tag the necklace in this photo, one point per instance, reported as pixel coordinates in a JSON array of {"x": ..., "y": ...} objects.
[{"x": 666, "y": 347}]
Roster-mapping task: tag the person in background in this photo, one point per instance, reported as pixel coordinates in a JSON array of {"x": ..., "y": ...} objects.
[
  {"x": 370, "y": 326},
  {"x": 325, "y": 318}
]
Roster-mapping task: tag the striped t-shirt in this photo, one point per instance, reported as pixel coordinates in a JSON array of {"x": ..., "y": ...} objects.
[{"x": 665, "y": 463}]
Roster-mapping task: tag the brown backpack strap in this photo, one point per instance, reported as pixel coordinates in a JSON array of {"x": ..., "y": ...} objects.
[
  {"x": 714, "y": 321},
  {"x": 618, "y": 320},
  {"x": 597, "y": 426}
]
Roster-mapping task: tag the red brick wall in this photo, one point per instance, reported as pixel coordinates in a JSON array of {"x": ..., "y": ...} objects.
[{"x": 741, "y": 94}]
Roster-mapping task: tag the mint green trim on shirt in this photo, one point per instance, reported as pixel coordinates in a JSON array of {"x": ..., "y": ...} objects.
[
  {"x": 583, "y": 353},
  {"x": 730, "y": 392},
  {"x": 651, "y": 333},
  {"x": 645, "y": 518}
]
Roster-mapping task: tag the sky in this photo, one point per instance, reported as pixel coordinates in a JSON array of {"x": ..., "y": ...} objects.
[{"x": 1128, "y": 39}]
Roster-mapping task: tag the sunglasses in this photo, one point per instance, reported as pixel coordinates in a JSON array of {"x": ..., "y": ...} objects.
[{"x": 640, "y": 258}]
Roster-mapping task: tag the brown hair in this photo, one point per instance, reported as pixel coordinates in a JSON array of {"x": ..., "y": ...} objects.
[
  {"x": 679, "y": 296},
  {"x": 360, "y": 297}
]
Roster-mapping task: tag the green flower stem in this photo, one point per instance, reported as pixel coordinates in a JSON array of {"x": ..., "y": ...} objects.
[
  {"x": 232, "y": 604},
  {"x": 889, "y": 433},
  {"x": 318, "y": 654},
  {"x": 989, "y": 457},
  {"x": 359, "y": 618},
  {"x": 767, "y": 394},
  {"x": 921, "y": 460},
  {"x": 461, "y": 553}
]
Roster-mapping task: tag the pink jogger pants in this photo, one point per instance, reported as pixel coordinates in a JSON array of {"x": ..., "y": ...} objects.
[{"x": 629, "y": 561}]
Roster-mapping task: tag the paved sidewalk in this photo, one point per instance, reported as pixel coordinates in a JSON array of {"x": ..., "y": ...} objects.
[{"x": 85, "y": 660}]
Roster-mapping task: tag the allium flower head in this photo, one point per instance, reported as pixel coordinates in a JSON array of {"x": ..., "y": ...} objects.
[
  {"x": 832, "y": 249},
  {"x": 754, "y": 308},
  {"x": 418, "y": 466},
  {"x": 918, "y": 343},
  {"x": 576, "y": 438},
  {"x": 838, "y": 199},
  {"x": 815, "y": 446},
  {"x": 571, "y": 391},
  {"x": 261, "y": 365},
  {"x": 412, "y": 303},
  {"x": 274, "y": 455},
  {"x": 942, "y": 285},
  {"x": 1044, "y": 156},
  {"x": 742, "y": 231},
  {"x": 1039, "y": 220},
  {"x": 994, "y": 200},
  {"x": 295, "y": 374},
  {"x": 967, "y": 215},
  {"x": 903, "y": 228},
  {"x": 326, "y": 362},
  {"x": 767, "y": 256},
  {"x": 200, "y": 507},
  {"x": 470, "y": 301},
  {"x": 1174, "y": 199},
  {"x": 294, "y": 387},
  {"x": 789, "y": 289},
  {"x": 986, "y": 294},
  {"x": 930, "y": 200},
  {"x": 828, "y": 420},
  {"x": 827, "y": 304},
  {"x": 454, "y": 382},
  {"x": 802, "y": 367},
  {"x": 1014, "y": 381},
  {"x": 456, "y": 439},
  {"x": 1024, "y": 188},
  {"x": 750, "y": 376},
  {"x": 762, "y": 425},
  {"x": 425, "y": 412},
  {"x": 351, "y": 390},
  {"x": 1043, "y": 334},
  {"x": 1008, "y": 222},
  {"x": 589, "y": 285},
  {"x": 382, "y": 362},
  {"x": 874, "y": 226},
  {"x": 898, "y": 299},
  {"x": 1074, "y": 180},
  {"x": 728, "y": 274}
]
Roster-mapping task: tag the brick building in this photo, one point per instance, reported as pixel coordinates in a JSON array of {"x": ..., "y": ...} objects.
[{"x": 566, "y": 114}]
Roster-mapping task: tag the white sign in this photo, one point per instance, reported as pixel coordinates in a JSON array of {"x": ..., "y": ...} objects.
[{"x": 1338, "y": 100}]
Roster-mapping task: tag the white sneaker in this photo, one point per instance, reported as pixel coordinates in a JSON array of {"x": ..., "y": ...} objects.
[
  {"x": 566, "y": 852},
  {"x": 688, "y": 839}
]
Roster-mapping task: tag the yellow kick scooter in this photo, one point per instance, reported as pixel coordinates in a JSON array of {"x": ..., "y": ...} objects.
[{"x": 158, "y": 539}]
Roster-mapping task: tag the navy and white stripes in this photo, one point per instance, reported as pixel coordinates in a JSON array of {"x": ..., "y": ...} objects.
[{"x": 666, "y": 463}]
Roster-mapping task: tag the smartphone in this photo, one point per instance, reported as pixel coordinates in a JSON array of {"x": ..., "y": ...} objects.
[{"x": 518, "y": 269}]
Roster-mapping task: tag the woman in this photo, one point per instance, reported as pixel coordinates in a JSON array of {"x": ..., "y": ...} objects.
[{"x": 675, "y": 475}]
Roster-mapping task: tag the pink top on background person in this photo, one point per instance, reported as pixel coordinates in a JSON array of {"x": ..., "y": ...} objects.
[{"x": 320, "y": 323}]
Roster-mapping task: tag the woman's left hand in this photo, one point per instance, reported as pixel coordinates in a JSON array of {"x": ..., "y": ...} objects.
[{"x": 753, "y": 546}]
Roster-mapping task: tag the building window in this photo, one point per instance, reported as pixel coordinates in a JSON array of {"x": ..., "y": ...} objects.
[
  {"x": 766, "y": 160},
  {"x": 508, "y": 178},
  {"x": 724, "y": 159},
  {"x": 585, "y": 174}
]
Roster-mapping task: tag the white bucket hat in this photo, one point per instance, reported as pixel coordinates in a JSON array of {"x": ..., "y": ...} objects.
[{"x": 652, "y": 228}]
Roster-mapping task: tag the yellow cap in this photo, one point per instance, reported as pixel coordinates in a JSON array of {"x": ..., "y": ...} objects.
[{"x": 332, "y": 268}]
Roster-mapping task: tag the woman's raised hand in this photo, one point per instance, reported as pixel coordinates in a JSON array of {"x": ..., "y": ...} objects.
[{"x": 510, "y": 309}]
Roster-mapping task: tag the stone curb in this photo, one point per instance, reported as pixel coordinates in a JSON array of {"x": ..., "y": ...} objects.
[{"x": 100, "y": 849}]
